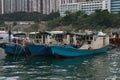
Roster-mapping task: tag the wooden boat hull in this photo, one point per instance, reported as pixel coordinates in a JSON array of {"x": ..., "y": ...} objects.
[
  {"x": 39, "y": 50},
  {"x": 72, "y": 52},
  {"x": 11, "y": 49}
]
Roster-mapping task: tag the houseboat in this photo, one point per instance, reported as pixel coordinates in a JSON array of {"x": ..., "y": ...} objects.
[
  {"x": 83, "y": 44},
  {"x": 15, "y": 45},
  {"x": 39, "y": 44}
]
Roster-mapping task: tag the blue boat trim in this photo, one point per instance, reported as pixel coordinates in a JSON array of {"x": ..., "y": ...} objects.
[
  {"x": 72, "y": 52},
  {"x": 14, "y": 49},
  {"x": 39, "y": 50}
]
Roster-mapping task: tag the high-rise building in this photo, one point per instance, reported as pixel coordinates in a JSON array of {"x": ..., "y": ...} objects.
[
  {"x": 87, "y": 7},
  {"x": 66, "y": 1},
  {"x": 87, "y": 0},
  {"x": 50, "y": 6},
  {"x": 20, "y": 5},
  {"x": 0, "y": 6},
  {"x": 114, "y": 6},
  {"x": 46, "y": 6},
  {"x": 7, "y": 6},
  {"x": 42, "y": 6},
  {"x": 54, "y": 6}
]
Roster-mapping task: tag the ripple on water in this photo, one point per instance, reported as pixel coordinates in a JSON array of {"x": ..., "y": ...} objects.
[
  {"x": 2, "y": 78},
  {"x": 9, "y": 66},
  {"x": 114, "y": 64},
  {"x": 43, "y": 67},
  {"x": 85, "y": 62},
  {"x": 113, "y": 77},
  {"x": 59, "y": 70},
  {"x": 100, "y": 67},
  {"x": 10, "y": 78},
  {"x": 49, "y": 78}
]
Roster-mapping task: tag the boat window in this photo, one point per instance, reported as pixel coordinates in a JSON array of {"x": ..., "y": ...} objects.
[
  {"x": 36, "y": 41},
  {"x": 91, "y": 38},
  {"x": 71, "y": 35},
  {"x": 65, "y": 36},
  {"x": 2, "y": 28},
  {"x": 19, "y": 35},
  {"x": 1, "y": 37},
  {"x": 83, "y": 38},
  {"x": 94, "y": 38},
  {"x": 53, "y": 36},
  {"x": 89, "y": 42},
  {"x": 87, "y": 38},
  {"x": 45, "y": 36},
  {"x": 71, "y": 40},
  {"x": 59, "y": 37}
]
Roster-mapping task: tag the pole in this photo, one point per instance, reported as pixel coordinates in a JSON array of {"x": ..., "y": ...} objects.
[{"x": 9, "y": 33}]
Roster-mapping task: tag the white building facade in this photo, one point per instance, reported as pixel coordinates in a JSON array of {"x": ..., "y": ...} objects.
[
  {"x": 49, "y": 6},
  {"x": 87, "y": 7},
  {"x": 71, "y": 7}
]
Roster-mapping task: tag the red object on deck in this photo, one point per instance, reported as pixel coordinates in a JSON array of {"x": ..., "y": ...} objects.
[{"x": 115, "y": 41}]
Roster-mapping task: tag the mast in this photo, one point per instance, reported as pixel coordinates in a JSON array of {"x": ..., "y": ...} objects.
[{"x": 9, "y": 33}]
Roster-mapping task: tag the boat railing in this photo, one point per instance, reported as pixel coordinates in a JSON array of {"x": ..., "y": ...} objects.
[{"x": 36, "y": 41}]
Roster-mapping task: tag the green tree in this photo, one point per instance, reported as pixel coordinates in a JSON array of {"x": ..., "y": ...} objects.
[
  {"x": 24, "y": 16},
  {"x": 34, "y": 27},
  {"x": 54, "y": 23},
  {"x": 14, "y": 23},
  {"x": 1, "y": 22}
]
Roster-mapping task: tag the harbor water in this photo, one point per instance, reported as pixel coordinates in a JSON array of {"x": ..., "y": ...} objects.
[{"x": 104, "y": 66}]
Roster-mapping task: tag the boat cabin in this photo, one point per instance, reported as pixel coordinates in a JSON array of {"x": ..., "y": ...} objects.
[
  {"x": 89, "y": 40},
  {"x": 4, "y": 36},
  {"x": 18, "y": 37},
  {"x": 93, "y": 40},
  {"x": 35, "y": 37},
  {"x": 52, "y": 37}
]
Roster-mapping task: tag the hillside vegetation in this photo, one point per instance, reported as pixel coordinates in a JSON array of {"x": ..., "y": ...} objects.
[
  {"x": 100, "y": 19},
  {"x": 79, "y": 20}
]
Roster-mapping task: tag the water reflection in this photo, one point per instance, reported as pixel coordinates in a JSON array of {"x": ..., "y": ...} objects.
[{"x": 92, "y": 67}]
